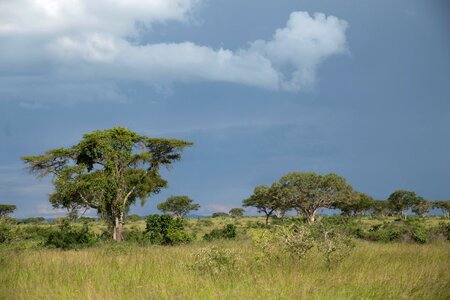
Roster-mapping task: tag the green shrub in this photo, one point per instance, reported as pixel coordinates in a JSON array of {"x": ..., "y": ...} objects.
[
  {"x": 133, "y": 235},
  {"x": 70, "y": 237},
  {"x": 165, "y": 230},
  {"x": 214, "y": 261},
  {"x": 335, "y": 246},
  {"x": 228, "y": 232},
  {"x": 420, "y": 235},
  {"x": 5, "y": 232}
]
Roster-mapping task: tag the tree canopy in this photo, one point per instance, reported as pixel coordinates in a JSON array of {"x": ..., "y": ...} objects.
[
  {"x": 400, "y": 201},
  {"x": 311, "y": 191},
  {"x": 108, "y": 170},
  {"x": 6, "y": 209},
  {"x": 179, "y": 206},
  {"x": 236, "y": 212}
]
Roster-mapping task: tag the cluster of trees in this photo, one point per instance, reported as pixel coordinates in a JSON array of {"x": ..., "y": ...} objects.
[
  {"x": 109, "y": 170},
  {"x": 307, "y": 192}
]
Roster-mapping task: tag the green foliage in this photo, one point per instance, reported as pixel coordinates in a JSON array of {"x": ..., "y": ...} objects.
[
  {"x": 179, "y": 206},
  {"x": 70, "y": 237},
  {"x": 6, "y": 209},
  {"x": 400, "y": 201},
  {"x": 220, "y": 215},
  {"x": 32, "y": 220},
  {"x": 236, "y": 212},
  {"x": 334, "y": 245},
  {"x": 165, "y": 230},
  {"x": 214, "y": 261},
  {"x": 108, "y": 170},
  {"x": 358, "y": 203},
  {"x": 411, "y": 230},
  {"x": 310, "y": 191},
  {"x": 5, "y": 232},
  {"x": 228, "y": 232},
  {"x": 133, "y": 218}
]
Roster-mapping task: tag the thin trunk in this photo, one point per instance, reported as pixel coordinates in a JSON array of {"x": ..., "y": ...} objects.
[
  {"x": 267, "y": 219},
  {"x": 117, "y": 233}
]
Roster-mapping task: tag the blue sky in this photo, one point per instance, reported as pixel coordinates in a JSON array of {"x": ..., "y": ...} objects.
[{"x": 262, "y": 88}]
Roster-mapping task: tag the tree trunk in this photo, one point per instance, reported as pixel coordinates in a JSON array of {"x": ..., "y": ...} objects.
[
  {"x": 267, "y": 219},
  {"x": 311, "y": 217},
  {"x": 117, "y": 233}
]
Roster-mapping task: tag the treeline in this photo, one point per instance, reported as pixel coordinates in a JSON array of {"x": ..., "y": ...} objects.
[{"x": 307, "y": 192}]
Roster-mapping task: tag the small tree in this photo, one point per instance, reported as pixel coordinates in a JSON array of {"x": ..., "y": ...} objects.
[
  {"x": 263, "y": 200},
  {"x": 381, "y": 207},
  {"x": 357, "y": 204},
  {"x": 444, "y": 206},
  {"x": 220, "y": 214},
  {"x": 178, "y": 206},
  {"x": 400, "y": 201},
  {"x": 311, "y": 191},
  {"x": 421, "y": 206},
  {"x": 236, "y": 212},
  {"x": 6, "y": 209}
]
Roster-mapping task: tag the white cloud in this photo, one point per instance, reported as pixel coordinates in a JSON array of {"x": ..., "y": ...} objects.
[{"x": 79, "y": 41}]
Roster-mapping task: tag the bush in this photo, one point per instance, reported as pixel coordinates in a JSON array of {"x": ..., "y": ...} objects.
[
  {"x": 165, "y": 230},
  {"x": 133, "y": 235},
  {"x": 411, "y": 230},
  {"x": 5, "y": 232},
  {"x": 69, "y": 237},
  {"x": 228, "y": 232},
  {"x": 334, "y": 245},
  {"x": 214, "y": 261}
]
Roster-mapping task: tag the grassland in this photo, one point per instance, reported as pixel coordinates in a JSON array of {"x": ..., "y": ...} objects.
[{"x": 130, "y": 271}]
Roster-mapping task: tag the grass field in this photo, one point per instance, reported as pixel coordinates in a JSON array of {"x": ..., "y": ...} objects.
[{"x": 109, "y": 271}]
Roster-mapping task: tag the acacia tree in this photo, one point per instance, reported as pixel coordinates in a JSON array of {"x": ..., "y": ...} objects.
[
  {"x": 236, "y": 212},
  {"x": 263, "y": 199},
  {"x": 400, "y": 201},
  {"x": 357, "y": 204},
  {"x": 444, "y": 206},
  {"x": 421, "y": 206},
  {"x": 382, "y": 208},
  {"x": 179, "y": 206},
  {"x": 108, "y": 170},
  {"x": 6, "y": 209},
  {"x": 311, "y": 191}
]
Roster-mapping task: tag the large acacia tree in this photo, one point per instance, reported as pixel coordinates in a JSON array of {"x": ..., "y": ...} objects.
[
  {"x": 310, "y": 191},
  {"x": 108, "y": 170}
]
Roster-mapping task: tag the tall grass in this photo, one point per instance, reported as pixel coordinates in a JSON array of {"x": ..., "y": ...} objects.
[{"x": 373, "y": 271}]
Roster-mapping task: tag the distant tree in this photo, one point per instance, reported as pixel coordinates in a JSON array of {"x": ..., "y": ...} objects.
[
  {"x": 311, "y": 191},
  {"x": 178, "y": 206},
  {"x": 358, "y": 203},
  {"x": 108, "y": 170},
  {"x": 421, "y": 206},
  {"x": 236, "y": 212},
  {"x": 220, "y": 214},
  {"x": 400, "y": 201},
  {"x": 263, "y": 200},
  {"x": 382, "y": 208},
  {"x": 6, "y": 209},
  {"x": 134, "y": 218},
  {"x": 32, "y": 220},
  {"x": 444, "y": 206}
]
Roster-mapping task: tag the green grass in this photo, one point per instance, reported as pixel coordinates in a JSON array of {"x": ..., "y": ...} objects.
[{"x": 373, "y": 271}]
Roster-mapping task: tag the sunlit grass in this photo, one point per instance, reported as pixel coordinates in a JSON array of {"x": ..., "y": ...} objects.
[{"x": 373, "y": 271}]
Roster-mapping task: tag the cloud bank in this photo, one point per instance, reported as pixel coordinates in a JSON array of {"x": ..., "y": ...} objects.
[{"x": 62, "y": 42}]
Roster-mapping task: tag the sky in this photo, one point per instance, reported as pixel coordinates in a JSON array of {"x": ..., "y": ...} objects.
[{"x": 360, "y": 88}]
